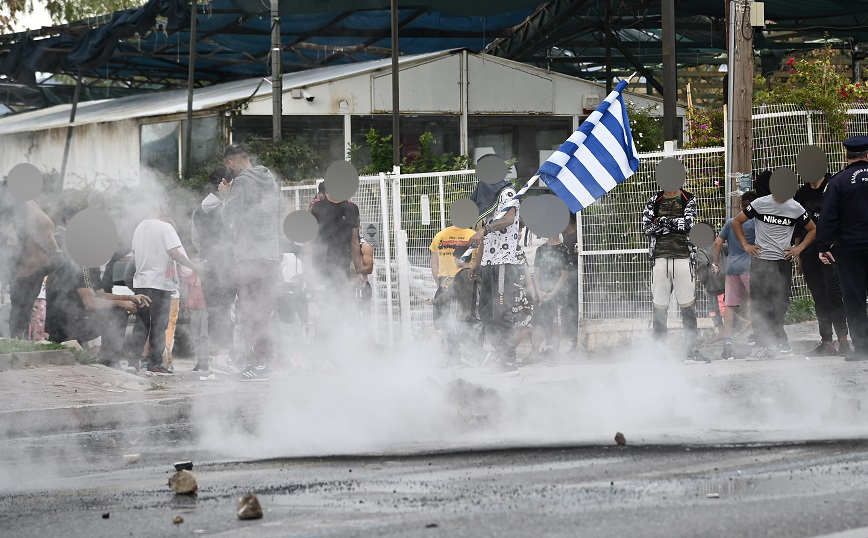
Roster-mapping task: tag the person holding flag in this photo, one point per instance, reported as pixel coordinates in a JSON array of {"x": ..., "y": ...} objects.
[
  {"x": 497, "y": 267},
  {"x": 592, "y": 161}
]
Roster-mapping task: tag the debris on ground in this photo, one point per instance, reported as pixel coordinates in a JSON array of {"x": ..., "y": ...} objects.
[
  {"x": 106, "y": 515},
  {"x": 183, "y": 465},
  {"x": 477, "y": 405},
  {"x": 131, "y": 458},
  {"x": 111, "y": 443},
  {"x": 620, "y": 439},
  {"x": 248, "y": 507},
  {"x": 183, "y": 483},
  {"x": 431, "y": 526},
  {"x": 712, "y": 495},
  {"x": 177, "y": 520}
]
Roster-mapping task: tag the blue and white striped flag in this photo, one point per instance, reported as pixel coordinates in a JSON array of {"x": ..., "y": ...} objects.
[{"x": 596, "y": 158}]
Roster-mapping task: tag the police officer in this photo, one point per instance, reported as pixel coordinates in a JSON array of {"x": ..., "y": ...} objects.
[{"x": 842, "y": 239}]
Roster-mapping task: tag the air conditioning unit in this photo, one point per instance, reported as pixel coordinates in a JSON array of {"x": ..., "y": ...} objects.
[
  {"x": 758, "y": 14},
  {"x": 590, "y": 102}
]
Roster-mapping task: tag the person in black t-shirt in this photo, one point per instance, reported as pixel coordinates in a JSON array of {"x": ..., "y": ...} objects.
[
  {"x": 822, "y": 280},
  {"x": 78, "y": 309},
  {"x": 336, "y": 246},
  {"x": 335, "y": 259}
]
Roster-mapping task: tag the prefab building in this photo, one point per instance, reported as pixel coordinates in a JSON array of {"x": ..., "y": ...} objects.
[{"x": 466, "y": 100}]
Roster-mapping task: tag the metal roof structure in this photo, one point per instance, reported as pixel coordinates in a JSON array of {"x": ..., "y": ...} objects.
[
  {"x": 175, "y": 101},
  {"x": 149, "y": 46}
]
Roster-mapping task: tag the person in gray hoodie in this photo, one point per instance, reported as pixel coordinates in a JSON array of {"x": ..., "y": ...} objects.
[{"x": 252, "y": 211}]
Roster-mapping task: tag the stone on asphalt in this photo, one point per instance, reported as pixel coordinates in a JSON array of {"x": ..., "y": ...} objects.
[
  {"x": 184, "y": 465},
  {"x": 177, "y": 520},
  {"x": 248, "y": 507},
  {"x": 106, "y": 515},
  {"x": 183, "y": 483},
  {"x": 131, "y": 458},
  {"x": 620, "y": 439}
]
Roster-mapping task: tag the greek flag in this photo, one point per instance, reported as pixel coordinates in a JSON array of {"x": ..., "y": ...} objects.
[{"x": 596, "y": 158}]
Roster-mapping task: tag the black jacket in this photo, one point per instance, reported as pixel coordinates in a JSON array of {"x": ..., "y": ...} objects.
[{"x": 844, "y": 214}]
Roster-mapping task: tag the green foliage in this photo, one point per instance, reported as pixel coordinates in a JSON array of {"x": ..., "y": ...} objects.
[
  {"x": 62, "y": 11},
  {"x": 801, "y": 309},
  {"x": 704, "y": 127},
  {"x": 815, "y": 84},
  {"x": 380, "y": 148},
  {"x": 647, "y": 128},
  {"x": 290, "y": 159},
  {"x": 21, "y": 346}
]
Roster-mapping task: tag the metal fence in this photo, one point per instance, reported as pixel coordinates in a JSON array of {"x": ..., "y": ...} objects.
[
  {"x": 401, "y": 214},
  {"x": 614, "y": 272}
]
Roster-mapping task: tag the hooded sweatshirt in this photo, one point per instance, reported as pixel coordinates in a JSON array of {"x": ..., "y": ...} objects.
[{"x": 253, "y": 213}]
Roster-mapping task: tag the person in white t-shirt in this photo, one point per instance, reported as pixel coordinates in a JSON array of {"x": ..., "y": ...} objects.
[{"x": 156, "y": 246}]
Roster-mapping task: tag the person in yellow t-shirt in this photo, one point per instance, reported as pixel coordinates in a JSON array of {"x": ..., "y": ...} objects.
[
  {"x": 443, "y": 267},
  {"x": 444, "y": 243}
]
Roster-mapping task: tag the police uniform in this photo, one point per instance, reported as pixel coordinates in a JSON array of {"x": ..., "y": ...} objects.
[{"x": 843, "y": 230}]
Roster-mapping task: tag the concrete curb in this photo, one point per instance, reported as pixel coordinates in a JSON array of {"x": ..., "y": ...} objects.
[
  {"x": 30, "y": 359},
  {"x": 82, "y": 418}
]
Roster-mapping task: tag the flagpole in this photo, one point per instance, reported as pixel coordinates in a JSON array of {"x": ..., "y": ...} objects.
[{"x": 530, "y": 183}]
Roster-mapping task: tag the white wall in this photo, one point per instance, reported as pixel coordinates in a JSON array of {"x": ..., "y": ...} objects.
[{"x": 102, "y": 155}]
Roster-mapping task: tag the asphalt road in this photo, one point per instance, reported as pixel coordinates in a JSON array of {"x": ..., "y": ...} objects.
[{"x": 62, "y": 486}]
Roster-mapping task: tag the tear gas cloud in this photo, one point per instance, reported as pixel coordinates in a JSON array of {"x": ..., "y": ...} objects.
[{"x": 347, "y": 394}]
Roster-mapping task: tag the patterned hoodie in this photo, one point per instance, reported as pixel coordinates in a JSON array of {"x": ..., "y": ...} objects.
[{"x": 665, "y": 225}]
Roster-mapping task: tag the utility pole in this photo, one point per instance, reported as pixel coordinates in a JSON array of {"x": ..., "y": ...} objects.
[
  {"x": 739, "y": 108},
  {"x": 396, "y": 110},
  {"x": 191, "y": 78},
  {"x": 276, "y": 72},
  {"x": 670, "y": 88}
]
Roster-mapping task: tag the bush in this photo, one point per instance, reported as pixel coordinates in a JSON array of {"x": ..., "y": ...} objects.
[
  {"x": 647, "y": 128},
  {"x": 380, "y": 149},
  {"x": 704, "y": 127},
  {"x": 816, "y": 84},
  {"x": 801, "y": 309}
]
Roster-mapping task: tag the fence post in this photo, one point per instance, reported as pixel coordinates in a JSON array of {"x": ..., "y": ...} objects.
[
  {"x": 580, "y": 262},
  {"x": 440, "y": 182},
  {"x": 387, "y": 253},
  {"x": 810, "y": 129},
  {"x": 401, "y": 259}
]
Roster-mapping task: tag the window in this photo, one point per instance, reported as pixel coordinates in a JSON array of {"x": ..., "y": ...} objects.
[
  {"x": 161, "y": 154},
  {"x": 518, "y": 137},
  {"x": 446, "y": 131},
  {"x": 323, "y": 134},
  {"x": 159, "y": 148},
  {"x": 207, "y": 140}
]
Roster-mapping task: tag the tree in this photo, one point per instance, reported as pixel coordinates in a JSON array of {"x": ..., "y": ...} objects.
[{"x": 61, "y": 11}]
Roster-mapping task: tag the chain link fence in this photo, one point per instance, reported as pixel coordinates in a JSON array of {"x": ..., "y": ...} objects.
[{"x": 402, "y": 214}]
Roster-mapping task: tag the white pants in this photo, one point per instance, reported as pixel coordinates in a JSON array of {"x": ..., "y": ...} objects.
[{"x": 672, "y": 274}]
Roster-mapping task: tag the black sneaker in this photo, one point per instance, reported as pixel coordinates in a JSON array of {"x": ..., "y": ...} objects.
[
  {"x": 844, "y": 347},
  {"x": 159, "y": 370},
  {"x": 254, "y": 373},
  {"x": 854, "y": 356},
  {"x": 727, "y": 353},
  {"x": 696, "y": 358},
  {"x": 825, "y": 349}
]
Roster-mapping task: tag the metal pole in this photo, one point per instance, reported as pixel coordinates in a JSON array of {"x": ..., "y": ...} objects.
[
  {"x": 669, "y": 70},
  {"x": 276, "y": 72},
  {"x": 69, "y": 129},
  {"x": 608, "y": 52},
  {"x": 396, "y": 120},
  {"x": 191, "y": 75}
]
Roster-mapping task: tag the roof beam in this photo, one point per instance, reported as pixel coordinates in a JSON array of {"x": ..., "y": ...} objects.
[
  {"x": 535, "y": 28},
  {"x": 615, "y": 42}
]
